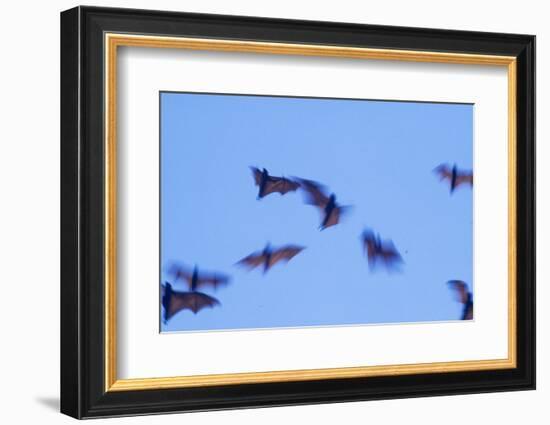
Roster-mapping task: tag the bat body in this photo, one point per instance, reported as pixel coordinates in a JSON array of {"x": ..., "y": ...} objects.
[
  {"x": 316, "y": 195},
  {"x": 378, "y": 250},
  {"x": 465, "y": 297},
  {"x": 268, "y": 257},
  {"x": 196, "y": 280},
  {"x": 454, "y": 175},
  {"x": 269, "y": 184},
  {"x": 176, "y": 301}
]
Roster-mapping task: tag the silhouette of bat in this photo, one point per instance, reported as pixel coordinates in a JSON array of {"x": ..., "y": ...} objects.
[
  {"x": 269, "y": 184},
  {"x": 268, "y": 257},
  {"x": 196, "y": 280},
  {"x": 316, "y": 194},
  {"x": 379, "y": 250},
  {"x": 464, "y": 296},
  {"x": 455, "y": 177},
  {"x": 176, "y": 301}
]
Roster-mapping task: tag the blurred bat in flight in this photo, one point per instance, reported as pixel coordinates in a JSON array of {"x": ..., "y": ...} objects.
[
  {"x": 268, "y": 257},
  {"x": 316, "y": 195},
  {"x": 176, "y": 301},
  {"x": 464, "y": 296},
  {"x": 196, "y": 280},
  {"x": 379, "y": 250},
  {"x": 269, "y": 184},
  {"x": 454, "y": 175}
]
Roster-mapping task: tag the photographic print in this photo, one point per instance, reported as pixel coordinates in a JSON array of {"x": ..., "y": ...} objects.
[
  {"x": 255, "y": 183},
  {"x": 281, "y": 212}
]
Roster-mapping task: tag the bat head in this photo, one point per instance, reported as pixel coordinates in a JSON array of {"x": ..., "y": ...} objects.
[
  {"x": 368, "y": 236},
  {"x": 368, "y": 239},
  {"x": 454, "y": 174},
  {"x": 167, "y": 294}
]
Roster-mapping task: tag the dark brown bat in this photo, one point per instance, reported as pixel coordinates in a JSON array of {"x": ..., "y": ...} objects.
[
  {"x": 269, "y": 184},
  {"x": 269, "y": 257},
  {"x": 176, "y": 301},
  {"x": 379, "y": 250},
  {"x": 464, "y": 296},
  {"x": 455, "y": 177},
  {"x": 316, "y": 195},
  {"x": 196, "y": 280}
]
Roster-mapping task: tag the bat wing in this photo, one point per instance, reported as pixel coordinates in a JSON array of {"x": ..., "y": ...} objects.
[
  {"x": 390, "y": 251},
  {"x": 335, "y": 216},
  {"x": 285, "y": 254},
  {"x": 257, "y": 174},
  {"x": 443, "y": 171},
  {"x": 197, "y": 301},
  {"x": 179, "y": 271},
  {"x": 213, "y": 280},
  {"x": 194, "y": 301},
  {"x": 315, "y": 193},
  {"x": 390, "y": 255},
  {"x": 460, "y": 290},
  {"x": 178, "y": 301},
  {"x": 281, "y": 185},
  {"x": 252, "y": 261},
  {"x": 465, "y": 178}
]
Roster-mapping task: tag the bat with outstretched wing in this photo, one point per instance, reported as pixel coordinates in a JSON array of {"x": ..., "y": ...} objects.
[
  {"x": 269, "y": 184},
  {"x": 454, "y": 175},
  {"x": 269, "y": 257},
  {"x": 317, "y": 195},
  {"x": 378, "y": 250},
  {"x": 464, "y": 296},
  {"x": 176, "y": 301},
  {"x": 196, "y": 280}
]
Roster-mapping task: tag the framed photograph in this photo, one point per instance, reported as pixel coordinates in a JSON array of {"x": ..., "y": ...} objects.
[{"x": 261, "y": 212}]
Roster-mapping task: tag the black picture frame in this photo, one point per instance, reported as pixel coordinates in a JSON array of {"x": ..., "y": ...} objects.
[{"x": 83, "y": 392}]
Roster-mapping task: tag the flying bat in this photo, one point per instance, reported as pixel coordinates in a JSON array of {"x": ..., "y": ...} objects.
[
  {"x": 268, "y": 257},
  {"x": 454, "y": 175},
  {"x": 196, "y": 280},
  {"x": 316, "y": 195},
  {"x": 270, "y": 184},
  {"x": 377, "y": 250},
  {"x": 176, "y": 301},
  {"x": 464, "y": 296}
]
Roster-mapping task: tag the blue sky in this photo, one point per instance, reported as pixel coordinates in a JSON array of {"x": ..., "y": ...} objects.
[{"x": 377, "y": 156}]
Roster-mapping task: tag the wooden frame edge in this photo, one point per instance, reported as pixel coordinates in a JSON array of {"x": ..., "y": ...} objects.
[{"x": 306, "y": 375}]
